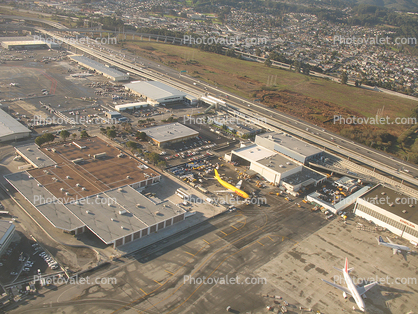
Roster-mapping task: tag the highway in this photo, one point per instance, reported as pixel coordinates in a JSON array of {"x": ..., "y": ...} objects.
[{"x": 274, "y": 120}]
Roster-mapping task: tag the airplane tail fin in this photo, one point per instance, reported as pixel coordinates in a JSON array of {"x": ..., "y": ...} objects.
[
  {"x": 216, "y": 174},
  {"x": 346, "y": 265},
  {"x": 381, "y": 240}
]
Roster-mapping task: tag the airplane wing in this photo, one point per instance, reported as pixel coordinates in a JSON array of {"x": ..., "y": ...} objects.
[
  {"x": 395, "y": 251},
  {"x": 338, "y": 287},
  {"x": 224, "y": 191},
  {"x": 364, "y": 289},
  {"x": 238, "y": 185},
  {"x": 389, "y": 240}
]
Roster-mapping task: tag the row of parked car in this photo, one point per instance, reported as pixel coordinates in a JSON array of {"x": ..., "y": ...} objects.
[{"x": 47, "y": 258}]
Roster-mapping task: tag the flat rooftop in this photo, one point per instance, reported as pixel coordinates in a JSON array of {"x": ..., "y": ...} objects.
[
  {"x": 279, "y": 163},
  {"x": 10, "y": 126},
  {"x": 254, "y": 152},
  {"x": 33, "y": 153},
  {"x": 169, "y": 132},
  {"x": 4, "y": 227},
  {"x": 303, "y": 176},
  {"x": 112, "y": 222},
  {"x": 50, "y": 207},
  {"x": 291, "y": 143},
  {"x": 91, "y": 175},
  {"x": 389, "y": 197},
  {"x": 154, "y": 90},
  {"x": 24, "y": 42},
  {"x": 98, "y": 66}
]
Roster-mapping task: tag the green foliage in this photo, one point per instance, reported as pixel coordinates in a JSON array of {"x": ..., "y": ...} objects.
[
  {"x": 111, "y": 133},
  {"x": 84, "y": 134},
  {"x": 44, "y": 138},
  {"x": 64, "y": 134}
]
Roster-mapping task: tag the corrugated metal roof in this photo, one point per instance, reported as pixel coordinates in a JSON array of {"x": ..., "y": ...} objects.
[{"x": 9, "y": 125}]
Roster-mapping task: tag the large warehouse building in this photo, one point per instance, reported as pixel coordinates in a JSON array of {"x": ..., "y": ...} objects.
[
  {"x": 11, "y": 129},
  {"x": 24, "y": 44},
  {"x": 108, "y": 72},
  {"x": 289, "y": 146},
  {"x": 164, "y": 135},
  {"x": 391, "y": 210},
  {"x": 94, "y": 187},
  {"x": 7, "y": 230},
  {"x": 276, "y": 168},
  {"x": 156, "y": 92}
]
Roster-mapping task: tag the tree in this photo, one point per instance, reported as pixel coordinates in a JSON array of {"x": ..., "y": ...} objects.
[
  {"x": 64, "y": 134},
  {"x": 141, "y": 135},
  {"x": 268, "y": 62},
  {"x": 153, "y": 157},
  {"x": 257, "y": 52},
  {"x": 44, "y": 138},
  {"x": 74, "y": 136},
  {"x": 162, "y": 164},
  {"x": 83, "y": 134},
  {"x": 111, "y": 133},
  {"x": 344, "y": 77},
  {"x": 131, "y": 144}
]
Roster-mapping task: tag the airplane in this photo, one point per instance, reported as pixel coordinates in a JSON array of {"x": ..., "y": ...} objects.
[
  {"x": 235, "y": 189},
  {"x": 395, "y": 247},
  {"x": 353, "y": 290}
]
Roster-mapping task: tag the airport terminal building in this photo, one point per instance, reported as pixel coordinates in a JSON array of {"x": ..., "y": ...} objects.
[{"x": 391, "y": 210}]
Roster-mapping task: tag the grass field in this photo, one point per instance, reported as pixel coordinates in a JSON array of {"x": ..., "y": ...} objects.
[{"x": 245, "y": 78}]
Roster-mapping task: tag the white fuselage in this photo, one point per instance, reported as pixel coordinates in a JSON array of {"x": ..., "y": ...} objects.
[
  {"x": 352, "y": 287},
  {"x": 396, "y": 246}
]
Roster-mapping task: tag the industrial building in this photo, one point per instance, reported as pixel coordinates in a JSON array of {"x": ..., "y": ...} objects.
[
  {"x": 240, "y": 127},
  {"x": 112, "y": 115},
  {"x": 334, "y": 200},
  {"x": 100, "y": 68},
  {"x": 164, "y": 135},
  {"x": 7, "y": 230},
  {"x": 94, "y": 187},
  {"x": 288, "y": 145},
  {"x": 27, "y": 42},
  {"x": 276, "y": 168},
  {"x": 391, "y": 210},
  {"x": 156, "y": 92},
  {"x": 131, "y": 106},
  {"x": 24, "y": 44},
  {"x": 11, "y": 129}
]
